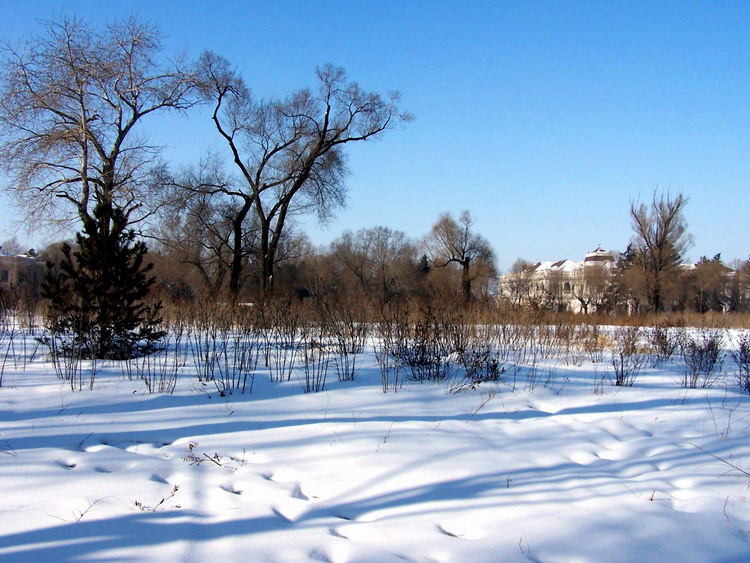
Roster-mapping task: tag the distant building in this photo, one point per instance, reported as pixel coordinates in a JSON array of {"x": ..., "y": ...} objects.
[
  {"x": 15, "y": 268},
  {"x": 563, "y": 285}
]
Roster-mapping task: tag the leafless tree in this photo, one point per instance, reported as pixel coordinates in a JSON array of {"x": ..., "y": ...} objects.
[
  {"x": 453, "y": 241},
  {"x": 589, "y": 286},
  {"x": 739, "y": 286},
  {"x": 289, "y": 152},
  {"x": 205, "y": 219},
  {"x": 517, "y": 284},
  {"x": 660, "y": 240},
  {"x": 552, "y": 296},
  {"x": 11, "y": 246},
  {"x": 376, "y": 257},
  {"x": 710, "y": 284},
  {"x": 199, "y": 234},
  {"x": 71, "y": 102}
]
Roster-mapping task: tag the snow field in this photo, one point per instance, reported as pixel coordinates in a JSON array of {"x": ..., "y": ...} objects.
[{"x": 568, "y": 472}]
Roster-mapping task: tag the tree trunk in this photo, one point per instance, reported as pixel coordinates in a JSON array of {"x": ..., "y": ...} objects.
[
  {"x": 267, "y": 257},
  {"x": 466, "y": 279},
  {"x": 238, "y": 255}
]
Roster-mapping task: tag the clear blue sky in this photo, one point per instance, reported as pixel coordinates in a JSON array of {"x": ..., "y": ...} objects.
[{"x": 544, "y": 119}]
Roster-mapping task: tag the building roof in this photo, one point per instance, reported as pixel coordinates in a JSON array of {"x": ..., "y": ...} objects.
[{"x": 598, "y": 256}]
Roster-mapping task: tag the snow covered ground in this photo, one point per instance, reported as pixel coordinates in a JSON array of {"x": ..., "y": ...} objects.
[{"x": 571, "y": 471}]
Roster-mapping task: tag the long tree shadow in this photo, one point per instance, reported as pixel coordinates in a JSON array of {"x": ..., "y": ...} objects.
[{"x": 159, "y": 437}]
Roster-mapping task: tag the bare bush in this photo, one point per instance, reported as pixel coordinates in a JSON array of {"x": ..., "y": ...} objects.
[
  {"x": 281, "y": 324},
  {"x": 665, "y": 342},
  {"x": 346, "y": 322},
  {"x": 238, "y": 359},
  {"x": 428, "y": 353},
  {"x": 68, "y": 360},
  {"x": 741, "y": 357},
  {"x": 594, "y": 342},
  {"x": 159, "y": 370},
  {"x": 316, "y": 357},
  {"x": 582, "y": 342},
  {"x": 481, "y": 357},
  {"x": 207, "y": 322},
  {"x": 392, "y": 335},
  {"x": 626, "y": 355},
  {"x": 8, "y": 333},
  {"x": 702, "y": 357},
  {"x": 224, "y": 344}
]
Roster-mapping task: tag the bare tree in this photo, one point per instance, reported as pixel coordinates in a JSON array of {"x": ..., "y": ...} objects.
[
  {"x": 11, "y": 246},
  {"x": 516, "y": 286},
  {"x": 660, "y": 240},
  {"x": 710, "y": 284},
  {"x": 71, "y": 101},
  {"x": 206, "y": 218},
  {"x": 454, "y": 242},
  {"x": 199, "y": 233},
  {"x": 289, "y": 152},
  {"x": 590, "y": 285},
  {"x": 375, "y": 257},
  {"x": 739, "y": 286},
  {"x": 551, "y": 296}
]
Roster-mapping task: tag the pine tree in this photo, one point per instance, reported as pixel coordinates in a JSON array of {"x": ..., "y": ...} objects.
[{"x": 97, "y": 291}]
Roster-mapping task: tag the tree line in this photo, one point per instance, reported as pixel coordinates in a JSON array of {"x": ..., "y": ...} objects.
[{"x": 650, "y": 276}]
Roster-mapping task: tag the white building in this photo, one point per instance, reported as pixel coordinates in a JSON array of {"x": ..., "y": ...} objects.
[
  {"x": 562, "y": 285},
  {"x": 13, "y": 266}
]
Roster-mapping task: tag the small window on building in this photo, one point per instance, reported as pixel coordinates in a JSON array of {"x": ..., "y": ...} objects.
[
  {"x": 4, "y": 276},
  {"x": 566, "y": 287}
]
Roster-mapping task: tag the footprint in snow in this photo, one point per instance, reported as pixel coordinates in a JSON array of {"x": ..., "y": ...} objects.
[
  {"x": 103, "y": 469},
  {"x": 686, "y": 488},
  {"x": 298, "y": 493},
  {"x": 253, "y": 457},
  {"x": 290, "y": 509},
  {"x": 230, "y": 488},
  {"x": 353, "y": 514},
  {"x": 358, "y": 532},
  {"x": 67, "y": 463},
  {"x": 582, "y": 457},
  {"x": 338, "y": 533},
  {"x": 462, "y": 529},
  {"x": 285, "y": 475}
]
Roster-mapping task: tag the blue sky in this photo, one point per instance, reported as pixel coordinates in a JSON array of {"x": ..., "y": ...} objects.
[{"x": 544, "y": 119}]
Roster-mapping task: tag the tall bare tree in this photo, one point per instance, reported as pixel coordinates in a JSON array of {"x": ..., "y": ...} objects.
[
  {"x": 453, "y": 241},
  {"x": 660, "y": 241},
  {"x": 289, "y": 152},
  {"x": 71, "y": 101}
]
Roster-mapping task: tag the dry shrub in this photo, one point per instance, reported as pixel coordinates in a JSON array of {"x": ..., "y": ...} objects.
[
  {"x": 430, "y": 348},
  {"x": 392, "y": 335},
  {"x": 702, "y": 357},
  {"x": 627, "y": 355},
  {"x": 741, "y": 357},
  {"x": 665, "y": 342}
]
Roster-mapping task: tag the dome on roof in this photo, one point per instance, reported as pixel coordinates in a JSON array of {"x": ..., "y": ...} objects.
[{"x": 599, "y": 256}]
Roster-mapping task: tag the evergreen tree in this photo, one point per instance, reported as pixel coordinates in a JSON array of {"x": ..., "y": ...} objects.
[{"x": 97, "y": 291}]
